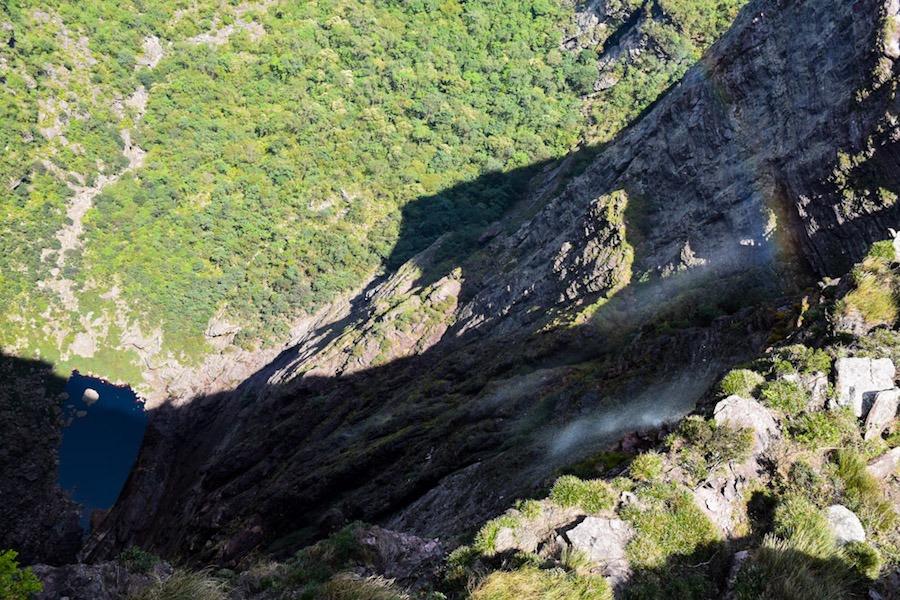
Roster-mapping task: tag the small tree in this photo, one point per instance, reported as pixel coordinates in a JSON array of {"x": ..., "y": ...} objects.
[{"x": 16, "y": 583}]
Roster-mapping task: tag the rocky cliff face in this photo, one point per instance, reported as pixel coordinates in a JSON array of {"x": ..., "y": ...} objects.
[{"x": 774, "y": 155}]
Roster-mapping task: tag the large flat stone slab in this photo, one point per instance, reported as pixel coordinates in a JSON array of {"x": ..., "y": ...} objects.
[{"x": 859, "y": 380}]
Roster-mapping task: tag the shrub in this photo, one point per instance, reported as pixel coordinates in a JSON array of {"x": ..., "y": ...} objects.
[
  {"x": 785, "y": 396},
  {"x": 16, "y": 583},
  {"x": 672, "y": 525},
  {"x": 797, "y": 515},
  {"x": 317, "y": 563},
  {"x": 804, "y": 360},
  {"x": 350, "y": 586},
  {"x": 646, "y": 467},
  {"x": 186, "y": 585},
  {"x": 545, "y": 584},
  {"x": 741, "y": 382},
  {"x": 826, "y": 429},
  {"x": 865, "y": 559},
  {"x": 703, "y": 445},
  {"x": 593, "y": 495},
  {"x": 863, "y": 493},
  {"x": 138, "y": 560},
  {"x": 460, "y": 563}
]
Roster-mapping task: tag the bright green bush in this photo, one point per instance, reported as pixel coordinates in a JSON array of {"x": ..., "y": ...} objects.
[
  {"x": 805, "y": 360},
  {"x": 863, "y": 493},
  {"x": 864, "y": 558},
  {"x": 785, "y": 396},
  {"x": 671, "y": 525},
  {"x": 741, "y": 382},
  {"x": 826, "y": 428},
  {"x": 16, "y": 583},
  {"x": 797, "y": 515},
  {"x": 646, "y": 467},
  {"x": 593, "y": 495}
]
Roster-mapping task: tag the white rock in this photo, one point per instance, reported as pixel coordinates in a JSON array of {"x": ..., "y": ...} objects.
[
  {"x": 883, "y": 411},
  {"x": 845, "y": 525},
  {"x": 885, "y": 465},
  {"x": 858, "y": 380},
  {"x": 744, "y": 412},
  {"x": 90, "y": 396},
  {"x": 604, "y": 540}
]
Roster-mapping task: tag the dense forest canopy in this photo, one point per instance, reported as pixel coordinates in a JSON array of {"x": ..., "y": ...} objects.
[{"x": 167, "y": 162}]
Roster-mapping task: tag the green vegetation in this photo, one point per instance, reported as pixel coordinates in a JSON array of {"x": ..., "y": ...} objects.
[
  {"x": 532, "y": 583},
  {"x": 646, "y": 467},
  {"x": 16, "y": 583},
  {"x": 863, "y": 493},
  {"x": 874, "y": 296},
  {"x": 672, "y": 525},
  {"x": 186, "y": 585},
  {"x": 802, "y": 559},
  {"x": 826, "y": 429},
  {"x": 798, "y": 358},
  {"x": 785, "y": 396},
  {"x": 701, "y": 445},
  {"x": 593, "y": 496},
  {"x": 741, "y": 382},
  {"x": 485, "y": 540},
  {"x": 291, "y": 149},
  {"x": 138, "y": 560},
  {"x": 350, "y": 586}
]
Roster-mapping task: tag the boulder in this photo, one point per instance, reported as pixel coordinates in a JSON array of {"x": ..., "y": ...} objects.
[
  {"x": 859, "y": 380},
  {"x": 883, "y": 411},
  {"x": 744, "y": 412},
  {"x": 90, "y": 396},
  {"x": 845, "y": 525},
  {"x": 411, "y": 561},
  {"x": 604, "y": 540},
  {"x": 104, "y": 581},
  {"x": 714, "y": 503},
  {"x": 885, "y": 465}
]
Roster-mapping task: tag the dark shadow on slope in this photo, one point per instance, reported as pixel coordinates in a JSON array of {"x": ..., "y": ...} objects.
[
  {"x": 771, "y": 571},
  {"x": 37, "y": 519}
]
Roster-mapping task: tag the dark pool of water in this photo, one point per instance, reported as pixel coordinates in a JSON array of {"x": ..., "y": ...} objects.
[{"x": 99, "y": 448}]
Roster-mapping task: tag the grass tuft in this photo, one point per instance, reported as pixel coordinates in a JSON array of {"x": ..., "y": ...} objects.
[
  {"x": 593, "y": 495},
  {"x": 740, "y": 382},
  {"x": 530, "y": 583},
  {"x": 186, "y": 585}
]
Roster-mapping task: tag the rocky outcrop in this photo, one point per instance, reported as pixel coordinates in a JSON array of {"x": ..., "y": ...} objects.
[
  {"x": 882, "y": 413},
  {"x": 858, "y": 381},
  {"x": 604, "y": 541},
  {"x": 104, "y": 581},
  {"x": 730, "y": 165},
  {"x": 412, "y": 562},
  {"x": 885, "y": 466},
  {"x": 748, "y": 413}
]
